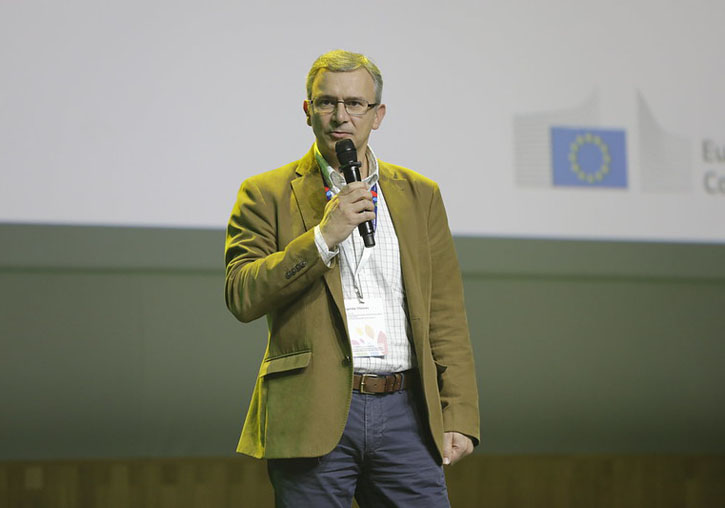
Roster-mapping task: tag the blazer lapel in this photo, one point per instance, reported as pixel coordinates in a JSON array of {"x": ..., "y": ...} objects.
[{"x": 309, "y": 192}]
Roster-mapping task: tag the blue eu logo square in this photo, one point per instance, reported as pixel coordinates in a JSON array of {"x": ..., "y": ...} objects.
[{"x": 585, "y": 157}]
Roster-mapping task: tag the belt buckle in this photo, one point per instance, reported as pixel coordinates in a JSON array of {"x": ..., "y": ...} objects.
[{"x": 363, "y": 377}]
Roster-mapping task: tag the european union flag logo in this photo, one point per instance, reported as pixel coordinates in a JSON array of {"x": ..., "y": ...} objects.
[{"x": 585, "y": 157}]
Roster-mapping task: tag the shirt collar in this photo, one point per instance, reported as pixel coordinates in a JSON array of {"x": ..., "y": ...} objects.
[{"x": 335, "y": 181}]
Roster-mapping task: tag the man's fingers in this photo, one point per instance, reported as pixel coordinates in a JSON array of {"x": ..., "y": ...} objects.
[
  {"x": 357, "y": 195},
  {"x": 361, "y": 206},
  {"x": 356, "y": 203},
  {"x": 355, "y": 191},
  {"x": 455, "y": 454},
  {"x": 360, "y": 217},
  {"x": 455, "y": 447},
  {"x": 353, "y": 187},
  {"x": 447, "y": 447},
  {"x": 344, "y": 212}
]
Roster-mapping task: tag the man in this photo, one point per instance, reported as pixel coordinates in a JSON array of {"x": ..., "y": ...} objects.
[{"x": 367, "y": 385}]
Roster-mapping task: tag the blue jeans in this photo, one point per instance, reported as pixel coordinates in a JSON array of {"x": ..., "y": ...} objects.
[{"x": 385, "y": 457}]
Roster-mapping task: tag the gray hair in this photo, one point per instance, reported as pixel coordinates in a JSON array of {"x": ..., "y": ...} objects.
[{"x": 344, "y": 61}]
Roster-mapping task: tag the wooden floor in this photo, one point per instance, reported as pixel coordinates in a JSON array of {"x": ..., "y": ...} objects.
[{"x": 478, "y": 481}]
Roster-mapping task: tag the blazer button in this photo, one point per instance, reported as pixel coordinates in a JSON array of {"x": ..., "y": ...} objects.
[
  {"x": 288, "y": 275},
  {"x": 346, "y": 361}
]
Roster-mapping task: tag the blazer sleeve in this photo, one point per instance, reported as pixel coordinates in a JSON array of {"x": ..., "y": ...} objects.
[
  {"x": 448, "y": 332},
  {"x": 262, "y": 273}
]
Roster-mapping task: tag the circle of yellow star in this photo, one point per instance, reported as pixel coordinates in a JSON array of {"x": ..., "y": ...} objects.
[{"x": 575, "y": 146}]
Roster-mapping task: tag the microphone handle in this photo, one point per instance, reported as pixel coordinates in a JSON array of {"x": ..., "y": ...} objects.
[{"x": 351, "y": 172}]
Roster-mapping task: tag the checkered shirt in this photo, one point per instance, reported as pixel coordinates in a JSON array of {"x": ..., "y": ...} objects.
[{"x": 379, "y": 277}]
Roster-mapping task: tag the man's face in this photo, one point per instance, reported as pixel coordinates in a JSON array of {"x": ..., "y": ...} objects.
[{"x": 331, "y": 127}]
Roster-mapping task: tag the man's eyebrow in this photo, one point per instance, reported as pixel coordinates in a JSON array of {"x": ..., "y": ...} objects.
[{"x": 354, "y": 98}]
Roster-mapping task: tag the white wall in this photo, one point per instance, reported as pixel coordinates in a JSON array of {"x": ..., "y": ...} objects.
[{"x": 152, "y": 113}]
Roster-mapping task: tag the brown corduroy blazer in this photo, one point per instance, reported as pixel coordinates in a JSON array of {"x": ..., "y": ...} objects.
[{"x": 302, "y": 395}]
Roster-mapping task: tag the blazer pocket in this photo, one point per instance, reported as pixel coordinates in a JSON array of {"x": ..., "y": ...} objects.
[{"x": 285, "y": 363}]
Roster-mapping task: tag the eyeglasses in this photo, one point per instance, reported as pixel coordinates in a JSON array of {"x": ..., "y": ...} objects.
[{"x": 354, "y": 107}]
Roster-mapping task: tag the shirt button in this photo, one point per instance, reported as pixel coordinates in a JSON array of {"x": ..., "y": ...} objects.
[{"x": 346, "y": 361}]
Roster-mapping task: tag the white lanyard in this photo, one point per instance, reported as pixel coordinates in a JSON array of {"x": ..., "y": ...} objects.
[{"x": 358, "y": 266}]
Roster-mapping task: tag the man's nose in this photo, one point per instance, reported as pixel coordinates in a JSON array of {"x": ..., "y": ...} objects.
[{"x": 340, "y": 114}]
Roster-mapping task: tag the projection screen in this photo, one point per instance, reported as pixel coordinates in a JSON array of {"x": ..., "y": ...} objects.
[{"x": 562, "y": 119}]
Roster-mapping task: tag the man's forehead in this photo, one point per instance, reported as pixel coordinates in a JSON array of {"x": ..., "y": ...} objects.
[{"x": 359, "y": 79}]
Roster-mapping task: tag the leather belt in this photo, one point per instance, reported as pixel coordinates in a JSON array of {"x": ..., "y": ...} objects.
[{"x": 374, "y": 384}]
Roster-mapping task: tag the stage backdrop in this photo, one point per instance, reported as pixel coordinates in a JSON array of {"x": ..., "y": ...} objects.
[{"x": 569, "y": 125}]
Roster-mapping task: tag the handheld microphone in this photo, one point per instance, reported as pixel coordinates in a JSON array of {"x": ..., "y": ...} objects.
[{"x": 350, "y": 166}]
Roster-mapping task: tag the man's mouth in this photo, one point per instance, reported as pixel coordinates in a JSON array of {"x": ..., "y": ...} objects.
[{"x": 340, "y": 134}]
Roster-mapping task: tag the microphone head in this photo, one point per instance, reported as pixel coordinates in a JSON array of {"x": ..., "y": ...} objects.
[{"x": 346, "y": 151}]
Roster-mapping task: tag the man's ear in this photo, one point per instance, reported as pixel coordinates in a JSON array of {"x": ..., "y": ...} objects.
[
  {"x": 379, "y": 115},
  {"x": 306, "y": 108}
]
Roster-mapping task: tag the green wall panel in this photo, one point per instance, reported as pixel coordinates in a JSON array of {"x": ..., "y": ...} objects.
[{"x": 115, "y": 342}]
